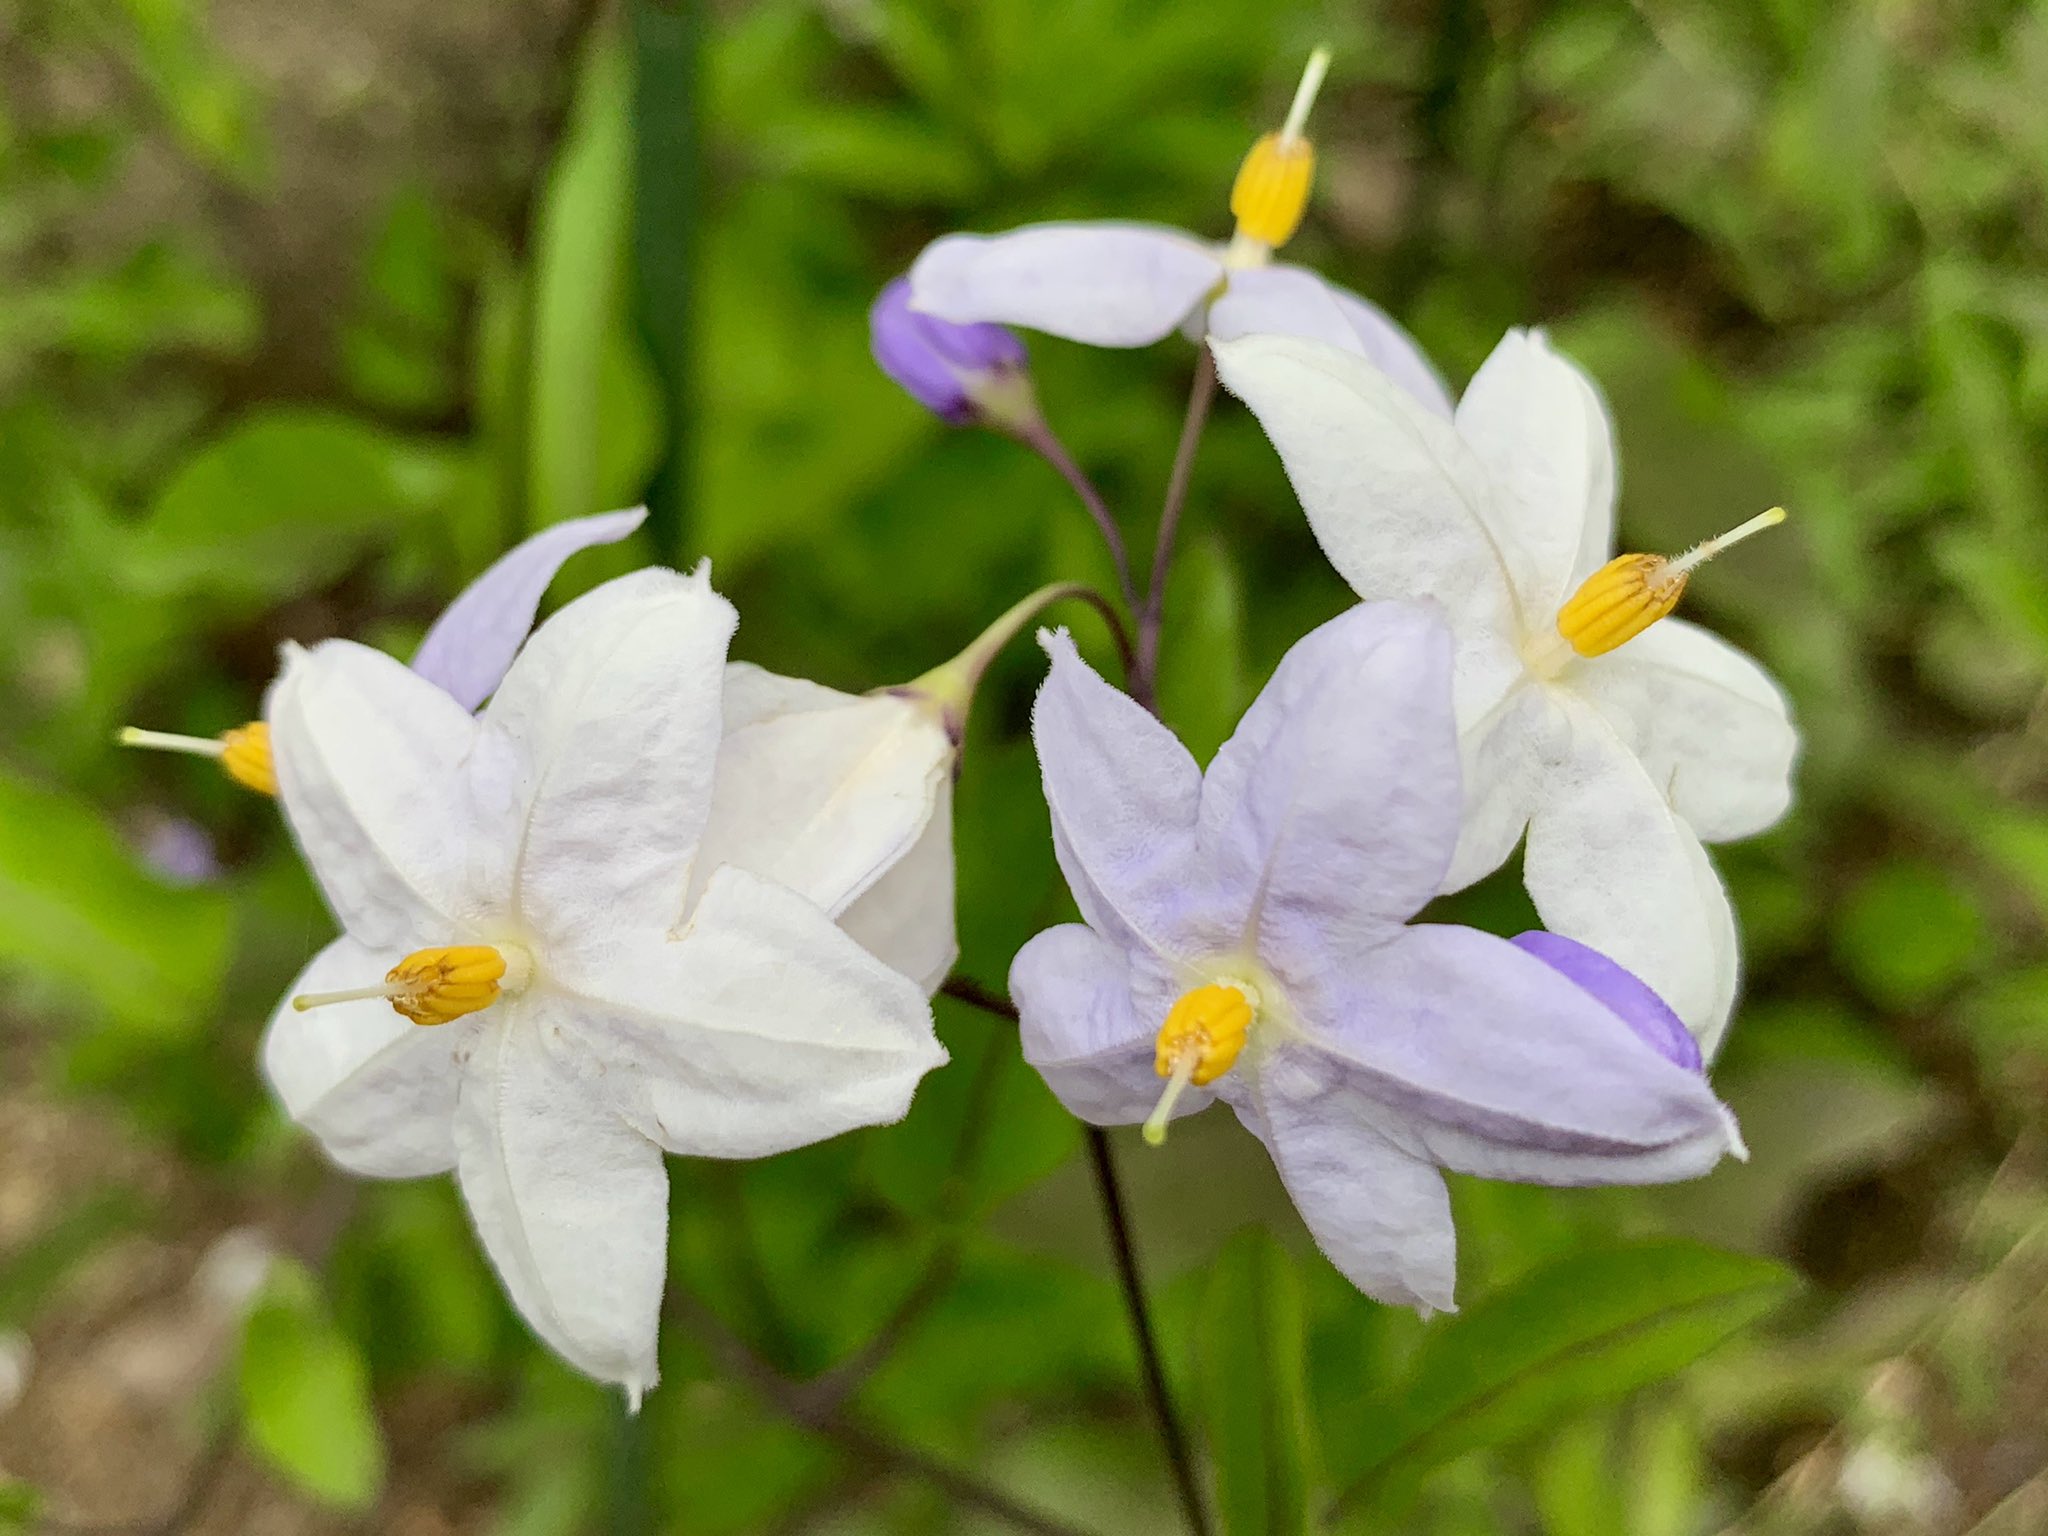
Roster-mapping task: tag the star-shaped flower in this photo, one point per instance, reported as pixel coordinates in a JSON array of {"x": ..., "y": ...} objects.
[
  {"x": 1618, "y": 742},
  {"x": 536, "y": 987},
  {"x": 1246, "y": 939},
  {"x": 1112, "y": 283}
]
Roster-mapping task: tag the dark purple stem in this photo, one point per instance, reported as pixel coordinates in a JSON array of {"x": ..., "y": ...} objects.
[
  {"x": 1145, "y": 678},
  {"x": 1042, "y": 440}
]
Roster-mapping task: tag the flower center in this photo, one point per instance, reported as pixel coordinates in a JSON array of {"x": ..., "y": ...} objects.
[
  {"x": 1202, "y": 1037},
  {"x": 1631, "y": 592},
  {"x": 1270, "y": 194},
  {"x": 243, "y": 753},
  {"x": 433, "y": 986}
]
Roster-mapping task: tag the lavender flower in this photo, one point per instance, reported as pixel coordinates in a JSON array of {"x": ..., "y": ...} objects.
[
  {"x": 1246, "y": 939},
  {"x": 961, "y": 373}
]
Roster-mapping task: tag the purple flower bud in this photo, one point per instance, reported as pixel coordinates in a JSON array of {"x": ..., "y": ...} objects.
[
  {"x": 1627, "y": 997},
  {"x": 179, "y": 850},
  {"x": 961, "y": 373}
]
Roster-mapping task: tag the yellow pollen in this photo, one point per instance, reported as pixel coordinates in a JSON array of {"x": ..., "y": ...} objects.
[
  {"x": 243, "y": 753},
  {"x": 1202, "y": 1037},
  {"x": 1631, "y": 592},
  {"x": 1270, "y": 194},
  {"x": 433, "y": 986}
]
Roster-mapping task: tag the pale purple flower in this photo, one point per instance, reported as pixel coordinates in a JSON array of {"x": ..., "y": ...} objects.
[
  {"x": 951, "y": 370},
  {"x": 1246, "y": 938}
]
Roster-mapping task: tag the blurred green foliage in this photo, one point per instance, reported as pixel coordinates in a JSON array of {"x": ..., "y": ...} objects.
[{"x": 1801, "y": 245}]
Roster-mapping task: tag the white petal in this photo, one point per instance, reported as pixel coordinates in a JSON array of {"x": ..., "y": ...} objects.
[
  {"x": 374, "y": 774},
  {"x": 1507, "y": 755},
  {"x": 753, "y": 694},
  {"x": 1396, "y": 500},
  {"x": 1609, "y": 863},
  {"x": 825, "y": 800},
  {"x": 1285, "y": 300},
  {"x": 377, "y": 1089},
  {"x": 760, "y": 1028},
  {"x": 1538, "y": 424},
  {"x": 1708, "y": 723},
  {"x": 905, "y": 919},
  {"x": 616, "y": 706},
  {"x": 1381, "y": 1216},
  {"x": 1107, "y": 284},
  {"x": 570, "y": 1201}
]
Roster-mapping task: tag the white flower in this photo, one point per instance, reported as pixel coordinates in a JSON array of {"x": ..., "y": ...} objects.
[
  {"x": 516, "y": 882},
  {"x": 1618, "y": 742}
]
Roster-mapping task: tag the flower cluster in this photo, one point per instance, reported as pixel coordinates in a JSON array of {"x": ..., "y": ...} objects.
[{"x": 606, "y": 895}]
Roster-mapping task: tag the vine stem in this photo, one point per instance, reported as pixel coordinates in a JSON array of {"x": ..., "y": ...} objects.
[
  {"x": 1145, "y": 676},
  {"x": 1042, "y": 440}
]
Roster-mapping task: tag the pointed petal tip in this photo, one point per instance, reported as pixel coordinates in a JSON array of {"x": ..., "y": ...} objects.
[{"x": 1737, "y": 1147}]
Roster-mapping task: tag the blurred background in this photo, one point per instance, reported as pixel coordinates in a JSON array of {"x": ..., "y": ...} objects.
[{"x": 310, "y": 310}]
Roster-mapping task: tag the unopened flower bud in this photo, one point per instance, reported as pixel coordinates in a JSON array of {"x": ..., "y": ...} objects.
[{"x": 964, "y": 374}]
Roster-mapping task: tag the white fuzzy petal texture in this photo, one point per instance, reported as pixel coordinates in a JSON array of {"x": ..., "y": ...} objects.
[
  {"x": 1286, "y": 300},
  {"x": 1708, "y": 723},
  {"x": 1104, "y": 283},
  {"x": 375, "y": 1088},
  {"x": 1508, "y": 756},
  {"x": 761, "y": 1027},
  {"x": 1609, "y": 863},
  {"x": 615, "y": 705},
  {"x": 905, "y": 919},
  {"x": 571, "y": 1202}
]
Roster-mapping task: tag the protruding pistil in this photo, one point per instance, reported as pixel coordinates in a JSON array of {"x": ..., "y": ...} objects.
[
  {"x": 1631, "y": 592},
  {"x": 1202, "y": 1038},
  {"x": 1270, "y": 195},
  {"x": 434, "y": 986},
  {"x": 243, "y": 753}
]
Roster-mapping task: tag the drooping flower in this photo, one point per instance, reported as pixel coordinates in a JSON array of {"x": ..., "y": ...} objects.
[
  {"x": 1112, "y": 283},
  {"x": 1619, "y": 742},
  {"x": 1246, "y": 939},
  {"x": 960, "y": 373},
  {"x": 466, "y": 650},
  {"x": 532, "y": 989}
]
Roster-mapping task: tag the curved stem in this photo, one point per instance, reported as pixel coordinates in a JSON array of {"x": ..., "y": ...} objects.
[
  {"x": 1145, "y": 679},
  {"x": 1173, "y": 1439},
  {"x": 1041, "y": 439}
]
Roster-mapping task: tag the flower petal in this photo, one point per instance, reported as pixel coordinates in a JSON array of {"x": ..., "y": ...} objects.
[
  {"x": 1609, "y": 863},
  {"x": 374, "y": 774},
  {"x": 1707, "y": 723},
  {"x": 905, "y": 919},
  {"x": 1506, "y": 756},
  {"x": 760, "y": 1028},
  {"x": 1490, "y": 1062},
  {"x": 474, "y": 640},
  {"x": 1538, "y": 424},
  {"x": 1293, "y": 301},
  {"x": 1123, "y": 793},
  {"x": 825, "y": 797},
  {"x": 1087, "y": 1018},
  {"x": 1331, "y": 813},
  {"x": 1381, "y": 1215},
  {"x": 1107, "y": 284},
  {"x": 570, "y": 1201},
  {"x": 375, "y": 1088},
  {"x": 1398, "y": 503},
  {"x": 1623, "y": 993},
  {"x": 616, "y": 702}
]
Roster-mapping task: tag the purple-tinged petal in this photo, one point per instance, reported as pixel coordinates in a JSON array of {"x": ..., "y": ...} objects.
[
  {"x": 1380, "y": 1214},
  {"x": 1106, "y": 284},
  {"x": 1624, "y": 993},
  {"x": 1489, "y": 1062},
  {"x": 179, "y": 850},
  {"x": 1330, "y": 816},
  {"x": 1123, "y": 794},
  {"x": 1087, "y": 1017},
  {"x": 1293, "y": 301},
  {"x": 937, "y": 361},
  {"x": 469, "y": 647}
]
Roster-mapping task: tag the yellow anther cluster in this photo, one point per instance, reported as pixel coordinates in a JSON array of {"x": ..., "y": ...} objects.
[
  {"x": 246, "y": 757},
  {"x": 432, "y": 986},
  {"x": 1271, "y": 192},
  {"x": 1208, "y": 1024},
  {"x": 1618, "y": 602}
]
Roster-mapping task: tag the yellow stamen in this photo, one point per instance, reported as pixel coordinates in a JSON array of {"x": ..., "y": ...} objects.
[
  {"x": 1202, "y": 1037},
  {"x": 243, "y": 753},
  {"x": 1271, "y": 192},
  {"x": 1631, "y": 592},
  {"x": 433, "y": 986}
]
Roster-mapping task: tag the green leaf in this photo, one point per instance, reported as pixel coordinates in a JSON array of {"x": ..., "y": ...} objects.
[
  {"x": 1908, "y": 933},
  {"x": 1254, "y": 1387},
  {"x": 286, "y": 500},
  {"x": 20, "y": 1505},
  {"x": 1585, "y": 1330},
  {"x": 305, "y": 1399},
  {"x": 80, "y": 916},
  {"x": 1202, "y": 679}
]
